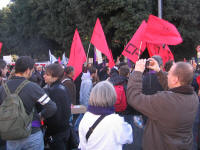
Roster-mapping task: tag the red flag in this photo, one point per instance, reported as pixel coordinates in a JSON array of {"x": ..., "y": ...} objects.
[
  {"x": 131, "y": 50},
  {"x": 111, "y": 61},
  {"x": 1, "y": 44},
  {"x": 162, "y": 50},
  {"x": 77, "y": 55},
  {"x": 159, "y": 31},
  {"x": 198, "y": 80},
  {"x": 59, "y": 60},
  {"x": 99, "y": 41}
]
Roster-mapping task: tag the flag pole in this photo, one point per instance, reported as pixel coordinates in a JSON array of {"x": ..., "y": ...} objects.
[
  {"x": 160, "y": 9},
  {"x": 140, "y": 49},
  {"x": 88, "y": 52}
]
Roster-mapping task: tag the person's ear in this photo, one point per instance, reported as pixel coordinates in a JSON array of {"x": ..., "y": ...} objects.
[{"x": 175, "y": 80}]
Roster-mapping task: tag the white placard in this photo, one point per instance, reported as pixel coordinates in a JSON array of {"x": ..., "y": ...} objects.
[{"x": 7, "y": 59}]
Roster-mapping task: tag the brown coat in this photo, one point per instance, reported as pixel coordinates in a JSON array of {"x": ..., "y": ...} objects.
[
  {"x": 68, "y": 82},
  {"x": 170, "y": 115}
]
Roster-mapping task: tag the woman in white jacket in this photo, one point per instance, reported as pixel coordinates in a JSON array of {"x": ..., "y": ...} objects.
[{"x": 112, "y": 131}]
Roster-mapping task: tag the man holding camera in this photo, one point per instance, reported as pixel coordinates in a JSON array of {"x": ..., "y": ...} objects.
[{"x": 170, "y": 113}]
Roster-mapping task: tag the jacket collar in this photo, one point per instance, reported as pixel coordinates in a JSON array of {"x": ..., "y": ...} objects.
[
  {"x": 55, "y": 83},
  {"x": 187, "y": 89},
  {"x": 18, "y": 77},
  {"x": 101, "y": 110}
]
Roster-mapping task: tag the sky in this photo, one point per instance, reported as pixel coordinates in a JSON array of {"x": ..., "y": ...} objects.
[{"x": 3, "y": 3}]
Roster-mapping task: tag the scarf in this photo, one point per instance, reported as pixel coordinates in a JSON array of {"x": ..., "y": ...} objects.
[{"x": 101, "y": 110}]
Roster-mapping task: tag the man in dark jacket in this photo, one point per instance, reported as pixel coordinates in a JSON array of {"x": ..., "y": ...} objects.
[
  {"x": 170, "y": 113},
  {"x": 30, "y": 95}
]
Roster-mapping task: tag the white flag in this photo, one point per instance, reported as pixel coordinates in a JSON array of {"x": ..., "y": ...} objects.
[
  {"x": 64, "y": 59},
  {"x": 98, "y": 56},
  {"x": 52, "y": 58}
]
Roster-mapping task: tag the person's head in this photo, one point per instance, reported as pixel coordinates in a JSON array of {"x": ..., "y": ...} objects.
[
  {"x": 122, "y": 64},
  {"x": 3, "y": 67},
  {"x": 24, "y": 66},
  {"x": 69, "y": 71},
  {"x": 180, "y": 74},
  {"x": 168, "y": 65},
  {"x": 124, "y": 71},
  {"x": 103, "y": 95},
  {"x": 93, "y": 71},
  {"x": 39, "y": 68},
  {"x": 53, "y": 73},
  {"x": 159, "y": 60},
  {"x": 114, "y": 71}
]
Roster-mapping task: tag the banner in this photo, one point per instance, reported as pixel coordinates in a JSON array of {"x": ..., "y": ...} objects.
[
  {"x": 159, "y": 31},
  {"x": 99, "y": 58},
  {"x": 162, "y": 50},
  {"x": 131, "y": 51}
]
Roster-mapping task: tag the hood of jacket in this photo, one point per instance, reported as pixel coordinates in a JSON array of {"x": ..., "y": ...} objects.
[
  {"x": 86, "y": 76},
  {"x": 117, "y": 80}
]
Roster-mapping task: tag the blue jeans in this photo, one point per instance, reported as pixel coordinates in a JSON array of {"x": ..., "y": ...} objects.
[
  {"x": 33, "y": 142},
  {"x": 60, "y": 141},
  {"x": 137, "y": 134},
  {"x": 78, "y": 120}
]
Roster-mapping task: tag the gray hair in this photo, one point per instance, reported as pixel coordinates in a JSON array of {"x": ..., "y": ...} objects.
[{"x": 103, "y": 95}]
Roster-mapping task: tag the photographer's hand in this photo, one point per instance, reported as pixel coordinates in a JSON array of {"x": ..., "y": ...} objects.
[
  {"x": 154, "y": 65},
  {"x": 140, "y": 65}
]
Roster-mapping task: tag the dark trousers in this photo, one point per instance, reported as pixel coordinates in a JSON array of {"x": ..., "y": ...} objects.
[{"x": 60, "y": 141}]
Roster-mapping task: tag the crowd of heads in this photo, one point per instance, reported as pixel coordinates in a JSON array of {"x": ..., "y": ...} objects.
[{"x": 183, "y": 72}]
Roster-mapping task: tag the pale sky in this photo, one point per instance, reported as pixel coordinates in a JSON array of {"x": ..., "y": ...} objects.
[{"x": 3, "y": 3}]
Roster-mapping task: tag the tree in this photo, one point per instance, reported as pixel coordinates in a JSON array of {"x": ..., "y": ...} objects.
[{"x": 34, "y": 26}]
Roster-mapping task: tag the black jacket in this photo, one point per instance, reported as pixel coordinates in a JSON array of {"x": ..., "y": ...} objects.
[
  {"x": 150, "y": 83},
  {"x": 31, "y": 95},
  {"x": 59, "y": 122}
]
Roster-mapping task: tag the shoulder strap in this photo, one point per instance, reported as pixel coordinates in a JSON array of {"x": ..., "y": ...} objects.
[
  {"x": 66, "y": 79},
  {"x": 5, "y": 86},
  {"x": 21, "y": 86},
  {"x": 91, "y": 129}
]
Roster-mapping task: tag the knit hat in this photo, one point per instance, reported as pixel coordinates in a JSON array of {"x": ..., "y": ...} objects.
[{"x": 158, "y": 59}]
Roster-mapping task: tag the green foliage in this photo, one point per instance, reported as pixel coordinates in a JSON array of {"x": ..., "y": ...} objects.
[{"x": 32, "y": 27}]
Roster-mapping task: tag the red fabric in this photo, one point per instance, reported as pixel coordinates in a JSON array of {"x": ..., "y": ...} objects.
[
  {"x": 159, "y": 31},
  {"x": 131, "y": 51},
  {"x": 121, "y": 102},
  {"x": 59, "y": 60},
  {"x": 198, "y": 80},
  {"x": 162, "y": 50},
  {"x": 77, "y": 55},
  {"x": 42, "y": 122},
  {"x": 1, "y": 44},
  {"x": 99, "y": 41},
  {"x": 111, "y": 62}
]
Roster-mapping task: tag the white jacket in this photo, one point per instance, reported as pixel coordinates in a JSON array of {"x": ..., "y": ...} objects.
[
  {"x": 85, "y": 89},
  {"x": 110, "y": 134}
]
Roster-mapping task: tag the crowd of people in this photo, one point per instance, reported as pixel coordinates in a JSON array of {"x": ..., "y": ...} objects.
[{"x": 141, "y": 106}]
